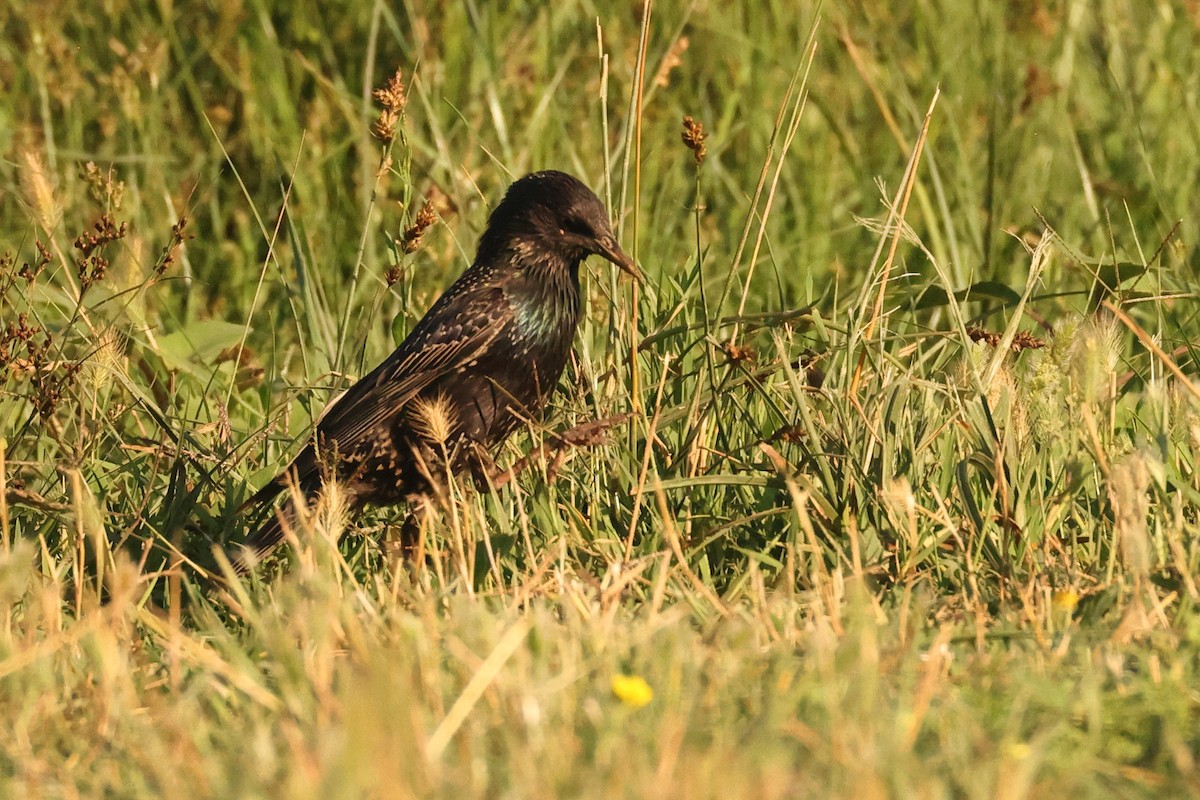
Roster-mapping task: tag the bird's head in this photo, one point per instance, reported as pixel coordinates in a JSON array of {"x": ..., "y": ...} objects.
[{"x": 551, "y": 215}]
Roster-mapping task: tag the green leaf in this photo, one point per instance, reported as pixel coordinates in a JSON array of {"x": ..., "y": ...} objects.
[
  {"x": 935, "y": 296},
  {"x": 200, "y": 342}
]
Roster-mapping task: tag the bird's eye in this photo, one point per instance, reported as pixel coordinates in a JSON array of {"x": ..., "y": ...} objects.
[{"x": 576, "y": 226}]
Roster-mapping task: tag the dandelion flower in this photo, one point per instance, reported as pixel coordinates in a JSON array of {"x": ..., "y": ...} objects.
[
  {"x": 1065, "y": 600},
  {"x": 632, "y": 690}
]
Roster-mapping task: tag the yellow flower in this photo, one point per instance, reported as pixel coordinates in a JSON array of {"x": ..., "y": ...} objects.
[
  {"x": 1066, "y": 600},
  {"x": 632, "y": 690},
  {"x": 1018, "y": 751}
]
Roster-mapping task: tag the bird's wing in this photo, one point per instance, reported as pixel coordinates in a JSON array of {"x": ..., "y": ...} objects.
[{"x": 457, "y": 330}]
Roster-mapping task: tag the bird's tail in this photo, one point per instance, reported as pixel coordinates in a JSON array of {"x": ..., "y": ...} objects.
[
  {"x": 326, "y": 507},
  {"x": 264, "y": 540}
]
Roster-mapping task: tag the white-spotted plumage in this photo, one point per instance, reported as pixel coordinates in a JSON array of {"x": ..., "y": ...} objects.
[{"x": 492, "y": 347}]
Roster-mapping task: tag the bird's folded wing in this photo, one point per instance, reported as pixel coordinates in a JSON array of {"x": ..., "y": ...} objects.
[
  {"x": 458, "y": 329},
  {"x": 466, "y": 328}
]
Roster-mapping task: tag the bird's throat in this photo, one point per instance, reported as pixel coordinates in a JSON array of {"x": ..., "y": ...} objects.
[{"x": 547, "y": 303}]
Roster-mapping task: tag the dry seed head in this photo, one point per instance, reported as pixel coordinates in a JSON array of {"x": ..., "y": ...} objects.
[
  {"x": 16, "y": 338},
  {"x": 331, "y": 514},
  {"x": 385, "y": 166},
  {"x": 106, "y": 231},
  {"x": 1046, "y": 383},
  {"x": 978, "y": 334},
  {"x": 693, "y": 137},
  {"x": 91, "y": 264},
  {"x": 40, "y": 191},
  {"x": 671, "y": 61},
  {"x": 11, "y": 338},
  {"x": 179, "y": 235},
  {"x": 103, "y": 186},
  {"x": 1022, "y": 340},
  {"x": 739, "y": 353},
  {"x": 1008, "y": 405},
  {"x": 393, "y": 97},
  {"x": 106, "y": 361},
  {"x": 411, "y": 239},
  {"x": 30, "y": 271},
  {"x": 901, "y": 504},
  {"x": 1179, "y": 414},
  {"x": 1095, "y": 352},
  {"x": 50, "y": 381},
  {"x": 433, "y": 418}
]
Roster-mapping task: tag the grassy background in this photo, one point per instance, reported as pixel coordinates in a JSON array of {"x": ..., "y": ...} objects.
[{"x": 854, "y": 543}]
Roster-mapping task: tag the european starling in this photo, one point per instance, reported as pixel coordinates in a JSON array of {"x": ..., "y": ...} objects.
[{"x": 482, "y": 361}]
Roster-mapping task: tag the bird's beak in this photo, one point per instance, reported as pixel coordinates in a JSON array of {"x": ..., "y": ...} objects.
[{"x": 609, "y": 249}]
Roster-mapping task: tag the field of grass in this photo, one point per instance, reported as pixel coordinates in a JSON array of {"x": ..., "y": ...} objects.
[{"x": 907, "y": 505}]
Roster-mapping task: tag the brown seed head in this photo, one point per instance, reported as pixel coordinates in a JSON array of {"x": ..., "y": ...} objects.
[
  {"x": 1023, "y": 340},
  {"x": 693, "y": 138},
  {"x": 739, "y": 353},
  {"x": 178, "y": 235},
  {"x": 411, "y": 239},
  {"x": 393, "y": 97},
  {"x": 30, "y": 271},
  {"x": 15, "y": 334},
  {"x": 91, "y": 263}
]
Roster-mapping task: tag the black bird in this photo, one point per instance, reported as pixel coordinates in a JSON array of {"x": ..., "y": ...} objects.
[{"x": 482, "y": 360}]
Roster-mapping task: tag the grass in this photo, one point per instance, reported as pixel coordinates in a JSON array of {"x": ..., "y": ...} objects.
[{"x": 907, "y": 504}]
